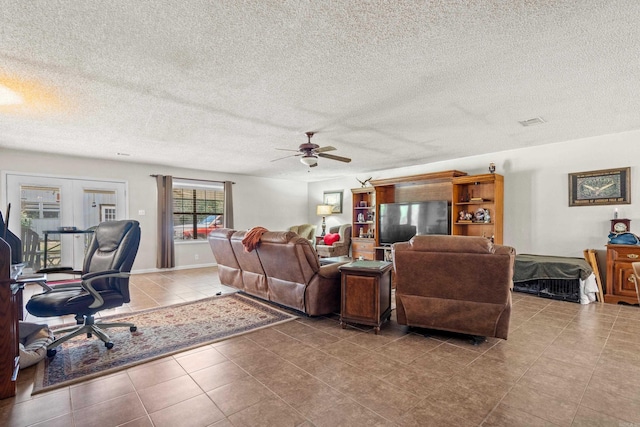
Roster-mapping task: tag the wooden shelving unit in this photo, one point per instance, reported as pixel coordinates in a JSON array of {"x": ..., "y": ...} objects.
[
  {"x": 463, "y": 192},
  {"x": 363, "y": 230},
  {"x": 476, "y": 195}
]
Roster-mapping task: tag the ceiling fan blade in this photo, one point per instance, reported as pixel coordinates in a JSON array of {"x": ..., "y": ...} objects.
[
  {"x": 313, "y": 165},
  {"x": 286, "y": 157},
  {"x": 286, "y": 149},
  {"x": 333, "y": 157},
  {"x": 323, "y": 149}
]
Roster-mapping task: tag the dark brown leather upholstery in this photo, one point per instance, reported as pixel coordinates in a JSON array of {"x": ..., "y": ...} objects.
[
  {"x": 228, "y": 267},
  {"x": 454, "y": 283},
  {"x": 253, "y": 277},
  {"x": 284, "y": 269}
]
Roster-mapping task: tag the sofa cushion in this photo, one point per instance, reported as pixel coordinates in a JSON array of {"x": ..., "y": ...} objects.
[{"x": 331, "y": 238}]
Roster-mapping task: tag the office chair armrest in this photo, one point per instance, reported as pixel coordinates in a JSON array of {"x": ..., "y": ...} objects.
[
  {"x": 90, "y": 277},
  {"x": 68, "y": 270}
]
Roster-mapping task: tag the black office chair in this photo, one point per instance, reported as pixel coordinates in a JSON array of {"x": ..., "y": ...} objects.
[{"x": 105, "y": 284}]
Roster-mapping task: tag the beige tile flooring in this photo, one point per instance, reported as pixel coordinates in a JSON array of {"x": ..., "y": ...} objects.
[{"x": 563, "y": 364}]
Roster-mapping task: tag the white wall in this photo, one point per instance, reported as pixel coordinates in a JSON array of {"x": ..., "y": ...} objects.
[
  {"x": 537, "y": 216},
  {"x": 272, "y": 203}
]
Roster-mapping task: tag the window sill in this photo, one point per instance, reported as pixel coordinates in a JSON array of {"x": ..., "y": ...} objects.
[{"x": 189, "y": 242}]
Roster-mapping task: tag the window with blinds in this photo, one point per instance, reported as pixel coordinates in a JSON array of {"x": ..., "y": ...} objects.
[{"x": 198, "y": 208}]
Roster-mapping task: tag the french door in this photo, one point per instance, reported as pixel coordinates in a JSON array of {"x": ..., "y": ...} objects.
[{"x": 41, "y": 205}]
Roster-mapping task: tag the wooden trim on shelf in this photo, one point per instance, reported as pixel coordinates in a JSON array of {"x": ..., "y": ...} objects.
[
  {"x": 470, "y": 179},
  {"x": 418, "y": 179}
]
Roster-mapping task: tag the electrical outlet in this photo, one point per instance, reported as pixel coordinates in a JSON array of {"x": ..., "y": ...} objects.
[{"x": 197, "y": 257}]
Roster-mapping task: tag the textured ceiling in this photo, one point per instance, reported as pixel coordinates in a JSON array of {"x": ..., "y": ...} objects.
[{"x": 220, "y": 85}]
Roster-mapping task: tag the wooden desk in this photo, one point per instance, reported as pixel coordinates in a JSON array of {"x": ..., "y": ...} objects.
[
  {"x": 365, "y": 293},
  {"x": 9, "y": 350}
]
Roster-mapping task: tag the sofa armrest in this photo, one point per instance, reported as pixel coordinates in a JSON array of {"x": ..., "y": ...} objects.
[{"x": 331, "y": 271}]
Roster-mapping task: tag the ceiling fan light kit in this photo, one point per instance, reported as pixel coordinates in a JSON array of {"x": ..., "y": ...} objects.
[{"x": 309, "y": 160}]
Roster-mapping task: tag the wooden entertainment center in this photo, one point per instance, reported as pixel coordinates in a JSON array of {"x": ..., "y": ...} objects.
[{"x": 461, "y": 191}]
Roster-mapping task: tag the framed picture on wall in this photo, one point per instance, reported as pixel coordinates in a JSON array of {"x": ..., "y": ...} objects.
[
  {"x": 601, "y": 187},
  {"x": 333, "y": 198}
]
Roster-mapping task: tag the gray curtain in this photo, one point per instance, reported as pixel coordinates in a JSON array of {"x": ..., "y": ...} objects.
[
  {"x": 228, "y": 204},
  {"x": 166, "y": 254}
]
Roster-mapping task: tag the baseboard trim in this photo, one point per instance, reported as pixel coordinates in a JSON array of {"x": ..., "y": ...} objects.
[{"x": 180, "y": 267}]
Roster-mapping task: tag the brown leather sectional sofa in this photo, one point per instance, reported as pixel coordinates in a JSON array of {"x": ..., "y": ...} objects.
[
  {"x": 454, "y": 283},
  {"x": 284, "y": 269}
]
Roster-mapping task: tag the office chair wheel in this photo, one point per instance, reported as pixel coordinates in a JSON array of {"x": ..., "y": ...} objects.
[
  {"x": 109, "y": 345},
  {"x": 133, "y": 328},
  {"x": 51, "y": 352}
]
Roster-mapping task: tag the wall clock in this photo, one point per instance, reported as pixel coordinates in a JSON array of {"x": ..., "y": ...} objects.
[{"x": 620, "y": 225}]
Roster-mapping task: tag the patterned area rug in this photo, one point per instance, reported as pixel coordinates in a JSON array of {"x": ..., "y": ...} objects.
[{"x": 161, "y": 332}]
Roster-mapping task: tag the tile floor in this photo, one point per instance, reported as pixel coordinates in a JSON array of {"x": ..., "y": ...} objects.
[{"x": 564, "y": 364}]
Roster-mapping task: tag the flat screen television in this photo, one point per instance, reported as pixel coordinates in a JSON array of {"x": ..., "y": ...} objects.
[{"x": 399, "y": 222}]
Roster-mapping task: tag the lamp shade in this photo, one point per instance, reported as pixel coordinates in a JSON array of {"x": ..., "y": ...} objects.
[{"x": 324, "y": 210}]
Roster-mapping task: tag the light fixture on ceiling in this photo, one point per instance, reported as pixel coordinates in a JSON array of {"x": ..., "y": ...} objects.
[
  {"x": 9, "y": 97},
  {"x": 532, "y": 122},
  {"x": 309, "y": 160}
]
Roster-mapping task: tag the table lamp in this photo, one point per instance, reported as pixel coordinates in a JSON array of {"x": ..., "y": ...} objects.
[{"x": 324, "y": 211}]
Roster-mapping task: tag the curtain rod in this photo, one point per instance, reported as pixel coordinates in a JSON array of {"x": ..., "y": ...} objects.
[{"x": 191, "y": 179}]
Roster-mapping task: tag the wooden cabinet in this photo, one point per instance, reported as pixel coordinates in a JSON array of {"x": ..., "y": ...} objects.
[
  {"x": 475, "y": 196},
  {"x": 619, "y": 286},
  {"x": 9, "y": 350},
  {"x": 363, "y": 230},
  {"x": 364, "y": 248},
  {"x": 365, "y": 293},
  {"x": 364, "y": 213}
]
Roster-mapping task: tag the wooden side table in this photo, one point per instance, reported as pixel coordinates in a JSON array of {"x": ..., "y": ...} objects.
[
  {"x": 620, "y": 286},
  {"x": 366, "y": 293}
]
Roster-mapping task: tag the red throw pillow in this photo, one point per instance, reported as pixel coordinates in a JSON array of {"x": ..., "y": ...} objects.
[{"x": 331, "y": 238}]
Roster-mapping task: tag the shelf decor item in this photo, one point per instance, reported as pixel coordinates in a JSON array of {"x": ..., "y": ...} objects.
[{"x": 601, "y": 187}]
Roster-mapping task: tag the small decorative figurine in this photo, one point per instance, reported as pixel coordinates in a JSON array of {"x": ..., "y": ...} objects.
[
  {"x": 492, "y": 167},
  {"x": 487, "y": 217},
  {"x": 364, "y": 183},
  {"x": 479, "y": 215}
]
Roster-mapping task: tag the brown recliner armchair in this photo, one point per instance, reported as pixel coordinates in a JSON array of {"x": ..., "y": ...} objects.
[
  {"x": 454, "y": 283},
  {"x": 308, "y": 231},
  {"x": 294, "y": 275},
  {"x": 339, "y": 248},
  {"x": 253, "y": 277},
  {"x": 229, "y": 270}
]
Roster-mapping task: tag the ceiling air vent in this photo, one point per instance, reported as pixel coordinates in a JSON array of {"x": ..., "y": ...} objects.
[{"x": 532, "y": 122}]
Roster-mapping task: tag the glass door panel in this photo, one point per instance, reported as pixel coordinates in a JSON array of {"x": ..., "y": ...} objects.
[{"x": 42, "y": 205}]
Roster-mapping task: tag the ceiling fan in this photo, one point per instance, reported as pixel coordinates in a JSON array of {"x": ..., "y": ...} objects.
[{"x": 310, "y": 153}]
